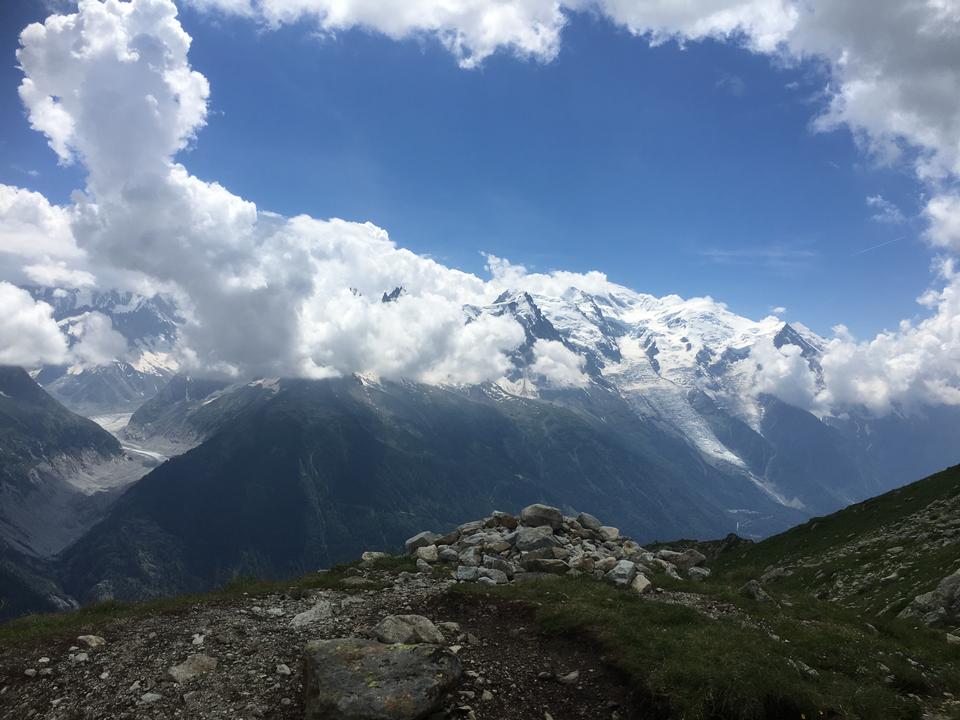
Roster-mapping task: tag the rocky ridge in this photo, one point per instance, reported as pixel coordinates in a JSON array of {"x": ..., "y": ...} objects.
[{"x": 383, "y": 645}]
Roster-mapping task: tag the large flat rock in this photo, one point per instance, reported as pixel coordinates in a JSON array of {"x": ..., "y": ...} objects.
[{"x": 356, "y": 679}]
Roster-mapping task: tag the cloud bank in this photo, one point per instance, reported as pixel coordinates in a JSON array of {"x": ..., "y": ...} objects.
[{"x": 111, "y": 87}]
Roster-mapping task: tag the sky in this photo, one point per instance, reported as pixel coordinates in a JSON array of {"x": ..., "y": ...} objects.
[
  {"x": 274, "y": 166},
  {"x": 689, "y": 169}
]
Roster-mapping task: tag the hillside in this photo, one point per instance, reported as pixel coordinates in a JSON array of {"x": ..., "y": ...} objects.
[
  {"x": 536, "y": 615},
  {"x": 47, "y": 453},
  {"x": 874, "y": 557}
]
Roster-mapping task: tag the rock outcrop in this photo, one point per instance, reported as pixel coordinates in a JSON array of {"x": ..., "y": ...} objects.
[
  {"x": 939, "y": 607},
  {"x": 502, "y": 548}
]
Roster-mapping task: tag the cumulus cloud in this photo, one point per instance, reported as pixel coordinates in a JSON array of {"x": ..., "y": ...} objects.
[
  {"x": 28, "y": 333},
  {"x": 917, "y": 363},
  {"x": 783, "y": 372},
  {"x": 471, "y": 29},
  {"x": 261, "y": 294},
  {"x": 36, "y": 241},
  {"x": 94, "y": 340},
  {"x": 559, "y": 365},
  {"x": 943, "y": 214},
  {"x": 111, "y": 87}
]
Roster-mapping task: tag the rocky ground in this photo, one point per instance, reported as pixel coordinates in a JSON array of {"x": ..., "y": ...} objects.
[
  {"x": 887, "y": 569},
  {"x": 242, "y": 659},
  {"x": 380, "y": 642}
]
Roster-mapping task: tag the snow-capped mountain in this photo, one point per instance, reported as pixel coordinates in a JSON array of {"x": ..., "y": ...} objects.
[
  {"x": 120, "y": 385},
  {"x": 691, "y": 366},
  {"x": 688, "y": 367}
]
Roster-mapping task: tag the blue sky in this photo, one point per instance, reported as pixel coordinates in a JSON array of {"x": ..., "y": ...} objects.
[{"x": 692, "y": 171}]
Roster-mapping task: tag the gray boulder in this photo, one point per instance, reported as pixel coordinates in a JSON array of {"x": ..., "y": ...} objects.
[
  {"x": 466, "y": 573},
  {"x": 589, "y": 521},
  {"x": 938, "y": 607},
  {"x": 538, "y": 565},
  {"x": 407, "y": 629},
  {"x": 428, "y": 553},
  {"x": 608, "y": 534},
  {"x": 698, "y": 574},
  {"x": 470, "y": 527},
  {"x": 753, "y": 591},
  {"x": 540, "y": 516},
  {"x": 354, "y": 679},
  {"x": 471, "y": 556},
  {"x": 420, "y": 540},
  {"x": 683, "y": 560},
  {"x": 496, "y": 563},
  {"x": 606, "y": 564},
  {"x": 498, "y": 576},
  {"x": 622, "y": 574},
  {"x": 448, "y": 555},
  {"x": 320, "y": 611},
  {"x": 534, "y": 538}
]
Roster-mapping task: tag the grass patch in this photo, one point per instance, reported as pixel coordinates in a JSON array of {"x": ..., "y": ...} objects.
[
  {"x": 763, "y": 663},
  {"x": 67, "y": 625}
]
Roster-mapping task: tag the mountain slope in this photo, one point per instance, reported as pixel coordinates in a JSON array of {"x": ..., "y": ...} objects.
[
  {"x": 688, "y": 366},
  {"x": 57, "y": 469},
  {"x": 311, "y": 473},
  {"x": 26, "y": 585},
  {"x": 875, "y": 556}
]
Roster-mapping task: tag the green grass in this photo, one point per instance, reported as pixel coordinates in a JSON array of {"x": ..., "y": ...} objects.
[
  {"x": 67, "y": 625},
  {"x": 824, "y": 533},
  {"x": 819, "y": 536},
  {"x": 690, "y": 666}
]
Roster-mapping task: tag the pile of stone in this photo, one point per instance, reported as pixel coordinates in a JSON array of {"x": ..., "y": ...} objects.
[{"x": 543, "y": 542}]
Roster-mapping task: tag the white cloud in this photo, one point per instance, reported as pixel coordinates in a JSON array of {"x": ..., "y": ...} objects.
[
  {"x": 262, "y": 294},
  {"x": 943, "y": 215},
  {"x": 778, "y": 310},
  {"x": 885, "y": 211},
  {"x": 33, "y": 228},
  {"x": 28, "y": 333},
  {"x": 917, "y": 363},
  {"x": 58, "y": 274},
  {"x": 471, "y": 29},
  {"x": 112, "y": 86},
  {"x": 558, "y": 364},
  {"x": 95, "y": 340},
  {"x": 783, "y": 372}
]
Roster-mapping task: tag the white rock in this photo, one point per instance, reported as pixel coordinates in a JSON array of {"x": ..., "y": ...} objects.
[
  {"x": 322, "y": 610},
  {"x": 608, "y": 534},
  {"x": 641, "y": 585},
  {"x": 428, "y": 553},
  {"x": 407, "y": 629},
  {"x": 91, "y": 641},
  {"x": 191, "y": 667}
]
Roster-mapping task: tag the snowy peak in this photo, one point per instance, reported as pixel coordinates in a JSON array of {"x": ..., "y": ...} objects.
[{"x": 149, "y": 325}]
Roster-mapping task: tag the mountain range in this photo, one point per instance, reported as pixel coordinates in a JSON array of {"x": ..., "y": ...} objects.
[{"x": 663, "y": 434}]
